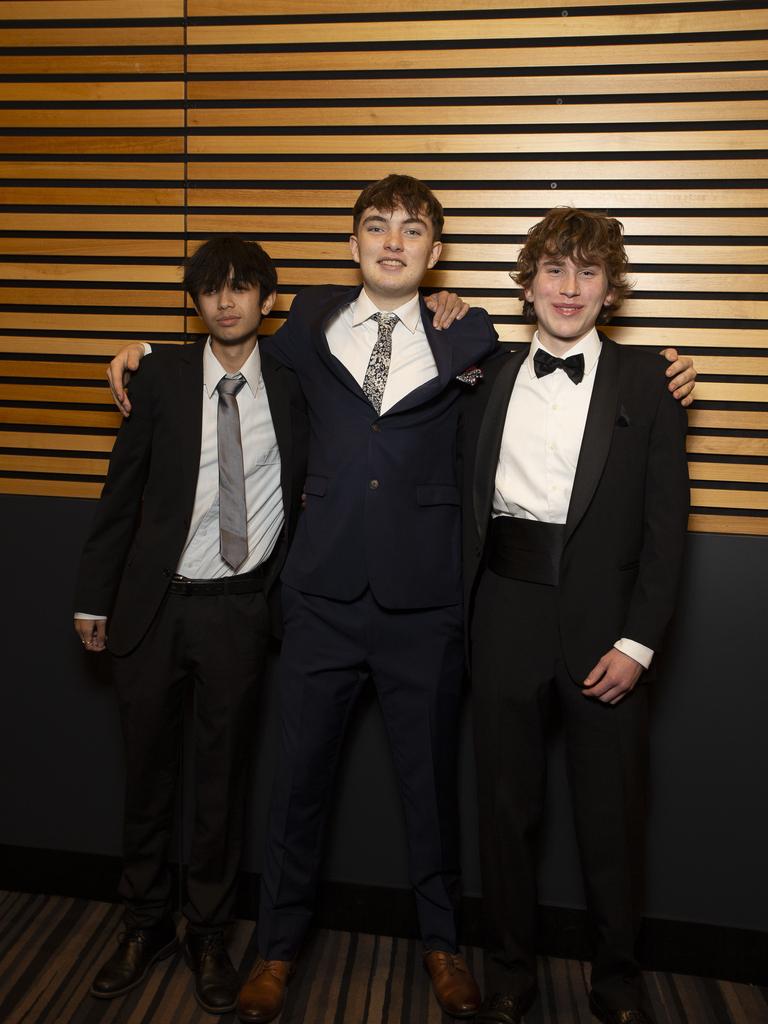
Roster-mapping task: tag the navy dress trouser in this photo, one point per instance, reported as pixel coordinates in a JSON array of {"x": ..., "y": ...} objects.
[{"x": 415, "y": 658}]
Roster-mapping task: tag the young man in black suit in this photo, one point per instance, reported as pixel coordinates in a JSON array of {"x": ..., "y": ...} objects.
[
  {"x": 189, "y": 536},
  {"x": 576, "y": 498}
]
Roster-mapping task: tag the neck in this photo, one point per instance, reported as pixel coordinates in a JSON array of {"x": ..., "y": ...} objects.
[
  {"x": 557, "y": 346},
  {"x": 233, "y": 357},
  {"x": 386, "y": 303}
]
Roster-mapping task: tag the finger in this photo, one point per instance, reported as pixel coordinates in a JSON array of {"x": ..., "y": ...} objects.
[
  {"x": 463, "y": 311},
  {"x": 670, "y": 354},
  {"x": 594, "y": 676},
  {"x": 687, "y": 401}
]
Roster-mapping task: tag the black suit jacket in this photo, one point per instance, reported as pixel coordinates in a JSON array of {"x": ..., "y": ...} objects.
[
  {"x": 143, "y": 516},
  {"x": 382, "y": 492},
  {"x": 627, "y": 519}
]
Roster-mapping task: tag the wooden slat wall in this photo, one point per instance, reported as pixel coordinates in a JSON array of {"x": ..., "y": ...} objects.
[{"x": 126, "y": 140}]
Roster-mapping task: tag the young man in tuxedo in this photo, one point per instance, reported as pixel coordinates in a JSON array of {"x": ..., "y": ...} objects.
[
  {"x": 576, "y": 499},
  {"x": 189, "y": 536},
  {"x": 373, "y": 580}
]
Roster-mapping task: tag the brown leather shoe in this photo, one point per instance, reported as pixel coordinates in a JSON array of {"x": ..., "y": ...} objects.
[
  {"x": 452, "y": 982},
  {"x": 263, "y": 995}
]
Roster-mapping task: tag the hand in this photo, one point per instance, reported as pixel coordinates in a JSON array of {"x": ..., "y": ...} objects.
[
  {"x": 92, "y": 632},
  {"x": 447, "y": 307},
  {"x": 683, "y": 375},
  {"x": 119, "y": 373},
  {"x": 613, "y": 677}
]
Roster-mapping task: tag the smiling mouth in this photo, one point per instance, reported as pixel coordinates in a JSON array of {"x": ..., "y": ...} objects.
[
  {"x": 568, "y": 310},
  {"x": 391, "y": 263},
  {"x": 227, "y": 321}
]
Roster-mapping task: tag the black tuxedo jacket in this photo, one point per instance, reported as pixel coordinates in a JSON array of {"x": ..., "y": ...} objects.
[
  {"x": 382, "y": 492},
  {"x": 143, "y": 516},
  {"x": 627, "y": 519}
]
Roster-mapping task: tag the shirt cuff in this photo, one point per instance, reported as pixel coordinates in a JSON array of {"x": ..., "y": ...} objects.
[
  {"x": 641, "y": 654},
  {"x": 147, "y": 348},
  {"x": 90, "y": 617}
]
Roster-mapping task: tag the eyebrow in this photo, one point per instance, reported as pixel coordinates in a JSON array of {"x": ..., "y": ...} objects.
[{"x": 382, "y": 219}]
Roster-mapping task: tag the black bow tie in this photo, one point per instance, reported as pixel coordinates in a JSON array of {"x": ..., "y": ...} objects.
[{"x": 544, "y": 363}]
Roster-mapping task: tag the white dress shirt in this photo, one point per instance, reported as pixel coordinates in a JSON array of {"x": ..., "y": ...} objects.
[
  {"x": 200, "y": 558},
  {"x": 540, "y": 447},
  {"x": 351, "y": 335}
]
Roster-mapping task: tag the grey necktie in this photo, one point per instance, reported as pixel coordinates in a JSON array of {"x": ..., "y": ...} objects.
[
  {"x": 233, "y": 530},
  {"x": 376, "y": 374}
]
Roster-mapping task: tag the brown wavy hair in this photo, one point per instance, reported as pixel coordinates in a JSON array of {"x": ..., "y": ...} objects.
[
  {"x": 400, "y": 190},
  {"x": 587, "y": 238}
]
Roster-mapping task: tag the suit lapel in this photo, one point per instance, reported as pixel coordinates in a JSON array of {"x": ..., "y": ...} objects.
[
  {"x": 489, "y": 439},
  {"x": 598, "y": 432},
  {"x": 280, "y": 410},
  {"x": 337, "y": 368},
  {"x": 190, "y": 400}
]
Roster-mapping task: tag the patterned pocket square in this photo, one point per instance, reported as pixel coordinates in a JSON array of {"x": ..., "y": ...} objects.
[{"x": 471, "y": 376}]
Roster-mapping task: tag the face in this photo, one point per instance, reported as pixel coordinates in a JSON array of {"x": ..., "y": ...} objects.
[
  {"x": 567, "y": 298},
  {"x": 394, "y": 250},
  {"x": 232, "y": 314}
]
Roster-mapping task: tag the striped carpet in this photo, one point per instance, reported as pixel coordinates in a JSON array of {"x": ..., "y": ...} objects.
[{"x": 51, "y": 946}]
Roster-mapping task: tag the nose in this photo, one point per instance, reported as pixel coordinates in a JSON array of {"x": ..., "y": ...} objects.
[
  {"x": 569, "y": 283},
  {"x": 394, "y": 241},
  {"x": 226, "y": 298}
]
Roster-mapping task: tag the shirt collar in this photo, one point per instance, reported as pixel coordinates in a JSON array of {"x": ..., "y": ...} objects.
[
  {"x": 589, "y": 345},
  {"x": 409, "y": 313},
  {"x": 213, "y": 371}
]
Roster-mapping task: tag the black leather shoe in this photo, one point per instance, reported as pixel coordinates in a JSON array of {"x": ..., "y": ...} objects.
[
  {"x": 138, "y": 949},
  {"x": 503, "y": 1008},
  {"x": 608, "y": 1016},
  {"x": 216, "y": 980}
]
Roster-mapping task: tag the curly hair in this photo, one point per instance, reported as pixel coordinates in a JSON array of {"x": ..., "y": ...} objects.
[
  {"x": 400, "y": 190},
  {"x": 587, "y": 238}
]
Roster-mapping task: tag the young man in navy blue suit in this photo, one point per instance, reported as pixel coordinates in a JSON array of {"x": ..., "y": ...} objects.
[
  {"x": 373, "y": 580},
  {"x": 576, "y": 498}
]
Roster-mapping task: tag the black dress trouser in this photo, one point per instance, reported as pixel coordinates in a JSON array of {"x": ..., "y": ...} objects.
[
  {"x": 216, "y": 646},
  {"x": 518, "y": 676}
]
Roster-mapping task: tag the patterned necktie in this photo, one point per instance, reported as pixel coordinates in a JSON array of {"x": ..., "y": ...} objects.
[
  {"x": 233, "y": 531},
  {"x": 376, "y": 374},
  {"x": 544, "y": 363}
]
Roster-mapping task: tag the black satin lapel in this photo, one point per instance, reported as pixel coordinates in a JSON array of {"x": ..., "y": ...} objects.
[
  {"x": 489, "y": 439},
  {"x": 598, "y": 432},
  {"x": 190, "y": 399}
]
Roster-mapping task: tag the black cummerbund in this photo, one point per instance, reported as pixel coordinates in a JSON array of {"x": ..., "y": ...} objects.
[{"x": 524, "y": 549}]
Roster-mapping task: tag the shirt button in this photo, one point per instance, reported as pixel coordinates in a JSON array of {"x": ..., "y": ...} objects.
[{"x": 373, "y": 484}]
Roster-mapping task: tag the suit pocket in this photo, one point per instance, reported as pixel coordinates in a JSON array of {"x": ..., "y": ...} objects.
[
  {"x": 437, "y": 494},
  {"x": 316, "y": 485}
]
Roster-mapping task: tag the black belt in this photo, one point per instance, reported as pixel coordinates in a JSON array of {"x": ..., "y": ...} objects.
[
  {"x": 524, "y": 549},
  {"x": 244, "y": 583}
]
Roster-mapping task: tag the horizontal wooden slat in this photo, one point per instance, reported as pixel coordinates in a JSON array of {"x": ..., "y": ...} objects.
[
  {"x": 568, "y": 86},
  {"x": 52, "y": 464},
  {"x": 699, "y": 337},
  {"x": 486, "y": 58},
  {"x": 733, "y": 364},
  {"x": 55, "y": 393},
  {"x": 500, "y": 143},
  {"x": 66, "y": 346},
  {"x": 104, "y": 118},
  {"x": 172, "y": 248},
  {"x": 615, "y": 24},
  {"x": 40, "y": 369},
  {"x": 104, "y": 92},
  {"x": 51, "y": 488},
  {"x": 699, "y": 445},
  {"x": 740, "y": 472},
  {"x": 756, "y": 525},
  {"x": 56, "y": 442},
  {"x": 79, "y": 144},
  {"x": 121, "y": 272},
  {"x": 93, "y": 35},
  {"x": 133, "y": 171},
  {"x": 478, "y": 225},
  {"x": 474, "y": 114},
  {"x": 93, "y": 64},
  {"x": 86, "y": 9},
  {"x": 727, "y": 419},
  {"x": 284, "y": 8},
  {"x": 85, "y": 297},
  {"x": 34, "y": 321},
  {"x": 104, "y": 222},
  {"x": 716, "y": 391},
  {"x": 711, "y": 498},
  {"x": 57, "y": 417},
  {"x": 92, "y": 196},
  {"x": 559, "y": 171}
]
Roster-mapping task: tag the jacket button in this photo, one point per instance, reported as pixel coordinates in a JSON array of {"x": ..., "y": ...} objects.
[
  {"x": 373, "y": 484},
  {"x": 376, "y": 428}
]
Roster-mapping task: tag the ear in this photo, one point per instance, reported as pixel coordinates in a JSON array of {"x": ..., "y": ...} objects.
[
  {"x": 268, "y": 303},
  {"x": 434, "y": 256},
  {"x": 528, "y": 294},
  {"x": 610, "y": 295},
  {"x": 355, "y": 248}
]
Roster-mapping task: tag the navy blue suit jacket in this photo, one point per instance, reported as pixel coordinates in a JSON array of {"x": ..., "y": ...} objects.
[{"x": 383, "y": 504}]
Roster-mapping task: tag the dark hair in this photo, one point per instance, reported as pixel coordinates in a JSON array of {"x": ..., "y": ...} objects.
[
  {"x": 587, "y": 238},
  {"x": 400, "y": 190},
  {"x": 229, "y": 258}
]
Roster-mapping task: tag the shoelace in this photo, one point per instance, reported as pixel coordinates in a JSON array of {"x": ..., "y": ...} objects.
[
  {"x": 453, "y": 962},
  {"x": 268, "y": 967}
]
